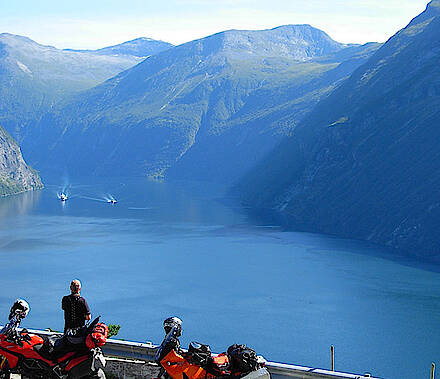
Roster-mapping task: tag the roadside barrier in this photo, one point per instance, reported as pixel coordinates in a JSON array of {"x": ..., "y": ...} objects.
[{"x": 147, "y": 351}]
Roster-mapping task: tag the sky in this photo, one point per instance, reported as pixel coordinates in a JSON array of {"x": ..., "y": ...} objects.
[{"x": 91, "y": 24}]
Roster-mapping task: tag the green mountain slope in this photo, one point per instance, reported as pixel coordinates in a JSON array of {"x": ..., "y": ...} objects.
[
  {"x": 206, "y": 109},
  {"x": 365, "y": 163},
  {"x": 34, "y": 77}
]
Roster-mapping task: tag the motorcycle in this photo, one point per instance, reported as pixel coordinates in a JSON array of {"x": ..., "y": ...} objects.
[
  {"x": 75, "y": 355},
  {"x": 198, "y": 362}
]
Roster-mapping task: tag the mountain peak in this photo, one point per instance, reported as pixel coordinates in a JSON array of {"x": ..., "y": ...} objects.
[
  {"x": 14, "y": 38},
  {"x": 301, "y": 42},
  {"x": 146, "y": 39},
  {"x": 139, "y": 47},
  {"x": 434, "y": 4},
  {"x": 15, "y": 41},
  {"x": 432, "y": 10},
  {"x": 298, "y": 28}
]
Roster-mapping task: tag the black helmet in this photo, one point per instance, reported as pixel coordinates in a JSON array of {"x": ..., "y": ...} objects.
[
  {"x": 20, "y": 308},
  {"x": 173, "y": 322}
]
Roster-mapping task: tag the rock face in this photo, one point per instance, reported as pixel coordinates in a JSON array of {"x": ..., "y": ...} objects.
[
  {"x": 207, "y": 109},
  {"x": 366, "y": 162},
  {"x": 15, "y": 175},
  {"x": 34, "y": 77}
]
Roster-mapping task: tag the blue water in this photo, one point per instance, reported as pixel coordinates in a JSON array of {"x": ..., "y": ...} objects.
[{"x": 174, "y": 249}]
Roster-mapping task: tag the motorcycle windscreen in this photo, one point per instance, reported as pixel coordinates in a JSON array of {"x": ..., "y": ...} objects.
[
  {"x": 169, "y": 343},
  {"x": 175, "y": 365}
]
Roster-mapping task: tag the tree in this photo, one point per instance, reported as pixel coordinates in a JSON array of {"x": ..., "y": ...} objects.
[{"x": 113, "y": 330}]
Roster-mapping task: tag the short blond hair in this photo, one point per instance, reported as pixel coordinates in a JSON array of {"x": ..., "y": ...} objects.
[{"x": 75, "y": 286}]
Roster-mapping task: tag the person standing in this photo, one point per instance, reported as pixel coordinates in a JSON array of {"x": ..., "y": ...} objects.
[{"x": 75, "y": 307}]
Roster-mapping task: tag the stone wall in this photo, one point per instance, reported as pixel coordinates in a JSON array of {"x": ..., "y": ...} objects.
[{"x": 118, "y": 368}]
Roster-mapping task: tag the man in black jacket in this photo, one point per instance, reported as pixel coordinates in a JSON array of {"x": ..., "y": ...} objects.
[{"x": 75, "y": 307}]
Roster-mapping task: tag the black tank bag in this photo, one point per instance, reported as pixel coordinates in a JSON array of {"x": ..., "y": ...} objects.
[
  {"x": 199, "y": 354},
  {"x": 242, "y": 359}
]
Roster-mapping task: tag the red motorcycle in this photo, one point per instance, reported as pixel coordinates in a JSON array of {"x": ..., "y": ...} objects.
[{"x": 74, "y": 355}]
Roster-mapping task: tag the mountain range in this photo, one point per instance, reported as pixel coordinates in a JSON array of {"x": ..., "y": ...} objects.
[
  {"x": 34, "y": 77},
  {"x": 341, "y": 138},
  {"x": 208, "y": 109},
  {"x": 364, "y": 164}
]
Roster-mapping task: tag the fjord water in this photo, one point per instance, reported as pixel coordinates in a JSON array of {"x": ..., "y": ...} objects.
[{"x": 174, "y": 249}]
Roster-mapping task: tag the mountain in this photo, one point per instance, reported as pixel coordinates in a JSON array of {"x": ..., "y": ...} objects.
[
  {"x": 139, "y": 47},
  {"x": 365, "y": 163},
  {"x": 206, "y": 109},
  {"x": 34, "y": 77},
  {"x": 15, "y": 175}
]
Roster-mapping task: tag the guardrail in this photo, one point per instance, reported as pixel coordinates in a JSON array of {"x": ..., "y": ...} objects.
[{"x": 147, "y": 351}]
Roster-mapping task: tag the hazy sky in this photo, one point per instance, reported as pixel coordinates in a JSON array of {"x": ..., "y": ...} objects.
[{"x": 99, "y": 23}]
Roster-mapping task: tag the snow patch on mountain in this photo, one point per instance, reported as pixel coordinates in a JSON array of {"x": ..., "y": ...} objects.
[{"x": 24, "y": 68}]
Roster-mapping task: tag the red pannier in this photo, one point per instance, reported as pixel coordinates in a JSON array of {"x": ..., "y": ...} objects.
[
  {"x": 221, "y": 361},
  {"x": 98, "y": 337}
]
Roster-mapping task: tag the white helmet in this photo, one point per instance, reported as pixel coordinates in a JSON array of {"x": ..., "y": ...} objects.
[
  {"x": 20, "y": 309},
  {"x": 173, "y": 322}
]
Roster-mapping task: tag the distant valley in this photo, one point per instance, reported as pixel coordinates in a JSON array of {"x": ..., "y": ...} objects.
[
  {"x": 208, "y": 109},
  {"x": 33, "y": 78}
]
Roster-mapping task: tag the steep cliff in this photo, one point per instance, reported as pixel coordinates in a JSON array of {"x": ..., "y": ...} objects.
[
  {"x": 365, "y": 163},
  {"x": 15, "y": 175}
]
